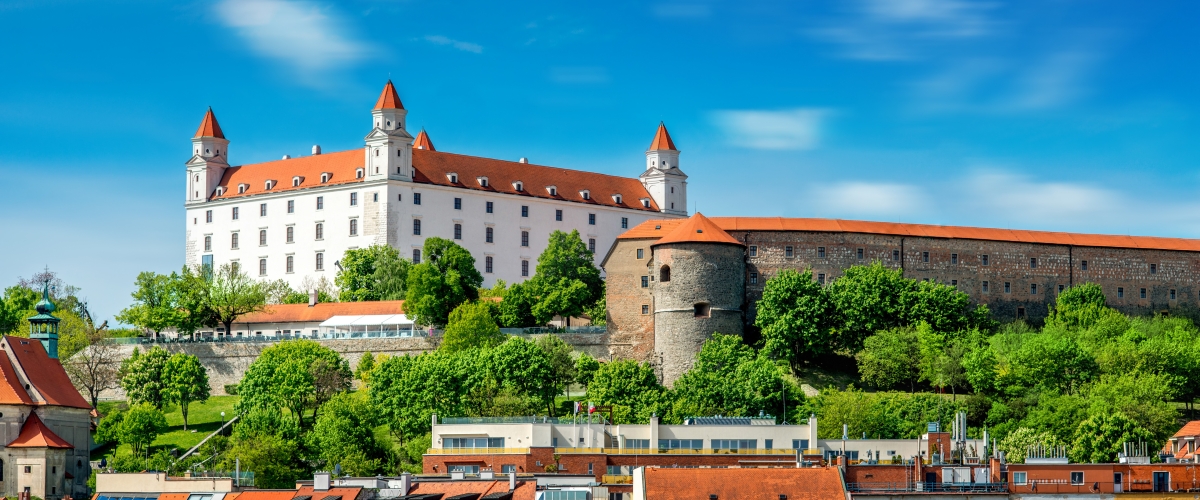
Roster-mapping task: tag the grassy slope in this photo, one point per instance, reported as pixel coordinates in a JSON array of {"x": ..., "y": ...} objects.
[{"x": 203, "y": 418}]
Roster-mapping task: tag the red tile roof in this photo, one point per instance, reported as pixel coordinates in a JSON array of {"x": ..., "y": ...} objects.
[
  {"x": 340, "y": 165},
  {"x": 736, "y": 484},
  {"x": 35, "y": 434},
  {"x": 732, "y": 224},
  {"x": 175, "y": 496},
  {"x": 347, "y": 493},
  {"x": 11, "y": 392},
  {"x": 266, "y": 495},
  {"x": 389, "y": 99},
  {"x": 301, "y": 313},
  {"x": 662, "y": 140},
  {"x": 46, "y": 375},
  {"x": 209, "y": 126},
  {"x": 526, "y": 490},
  {"x": 1189, "y": 429},
  {"x": 422, "y": 142},
  {"x": 697, "y": 229}
]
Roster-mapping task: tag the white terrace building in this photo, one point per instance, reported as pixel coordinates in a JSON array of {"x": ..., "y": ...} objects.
[{"x": 294, "y": 218}]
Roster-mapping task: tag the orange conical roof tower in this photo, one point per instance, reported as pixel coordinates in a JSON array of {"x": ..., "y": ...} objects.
[
  {"x": 662, "y": 140},
  {"x": 698, "y": 229},
  {"x": 209, "y": 126},
  {"x": 389, "y": 99},
  {"x": 422, "y": 142}
]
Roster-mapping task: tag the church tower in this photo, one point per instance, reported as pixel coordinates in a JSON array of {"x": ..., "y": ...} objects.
[
  {"x": 664, "y": 180},
  {"x": 44, "y": 326},
  {"x": 389, "y": 146},
  {"x": 210, "y": 153}
]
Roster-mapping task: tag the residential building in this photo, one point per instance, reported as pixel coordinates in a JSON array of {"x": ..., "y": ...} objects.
[{"x": 814, "y": 483}]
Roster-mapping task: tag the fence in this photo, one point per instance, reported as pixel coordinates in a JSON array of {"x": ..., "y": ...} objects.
[
  {"x": 478, "y": 451},
  {"x": 203, "y": 338},
  {"x": 887, "y": 488}
]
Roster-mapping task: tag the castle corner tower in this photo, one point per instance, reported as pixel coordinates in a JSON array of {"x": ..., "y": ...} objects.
[
  {"x": 389, "y": 145},
  {"x": 664, "y": 180},
  {"x": 210, "y": 158}
]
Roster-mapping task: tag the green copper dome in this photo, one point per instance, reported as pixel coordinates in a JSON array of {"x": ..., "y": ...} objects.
[{"x": 44, "y": 306}]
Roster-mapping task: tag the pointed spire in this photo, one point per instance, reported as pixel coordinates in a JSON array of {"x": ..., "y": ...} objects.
[
  {"x": 389, "y": 99},
  {"x": 422, "y": 141},
  {"x": 209, "y": 126},
  {"x": 662, "y": 140}
]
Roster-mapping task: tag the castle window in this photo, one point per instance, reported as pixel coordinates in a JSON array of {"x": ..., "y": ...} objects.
[
  {"x": 640, "y": 253},
  {"x": 488, "y": 208},
  {"x": 701, "y": 310},
  {"x": 416, "y": 227},
  {"x": 1032, "y": 263},
  {"x": 488, "y": 235},
  {"x": 262, "y": 209},
  {"x": 524, "y": 210},
  {"x": 262, "y": 267},
  {"x": 353, "y": 199},
  {"x": 592, "y": 245},
  {"x": 208, "y": 243},
  {"x": 220, "y": 191},
  {"x": 1061, "y": 288},
  {"x": 242, "y": 188},
  {"x": 558, "y": 215},
  {"x": 983, "y": 259},
  {"x": 924, "y": 256},
  {"x": 645, "y": 282},
  {"x": 985, "y": 287},
  {"x": 483, "y": 181},
  {"x": 754, "y": 250},
  {"x": 1020, "y": 313},
  {"x": 416, "y": 256},
  {"x": 789, "y": 252},
  {"x": 458, "y": 203},
  {"x": 953, "y": 282},
  {"x": 324, "y": 178},
  {"x": 1120, "y": 292},
  {"x": 416, "y": 198},
  {"x": 353, "y": 227},
  {"x": 895, "y": 255},
  {"x": 592, "y": 219},
  {"x": 320, "y": 203},
  {"x": 525, "y": 238},
  {"x": 753, "y": 278},
  {"x": 1033, "y": 289},
  {"x": 1172, "y": 294},
  {"x": 646, "y": 202},
  {"x": 860, "y": 254},
  {"x": 487, "y": 264},
  {"x": 821, "y": 278},
  {"x": 197, "y": 179},
  {"x": 320, "y": 235},
  {"x": 954, "y": 258},
  {"x": 645, "y": 309},
  {"x": 1007, "y": 287},
  {"x": 453, "y": 177},
  {"x": 375, "y": 197},
  {"x": 296, "y": 181},
  {"x": 585, "y": 194},
  {"x": 1083, "y": 265},
  {"x": 553, "y": 190},
  {"x": 518, "y": 186},
  {"x": 320, "y": 261},
  {"x": 616, "y": 199},
  {"x": 290, "y": 260},
  {"x": 664, "y": 274},
  {"x": 233, "y": 241},
  {"x": 1153, "y": 268},
  {"x": 358, "y": 174},
  {"x": 291, "y": 206},
  {"x": 525, "y": 268},
  {"x": 208, "y": 216},
  {"x": 458, "y": 231},
  {"x": 268, "y": 185},
  {"x": 820, "y": 252},
  {"x": 262, "y": 237},
  {"x": 624, "y": 222}
]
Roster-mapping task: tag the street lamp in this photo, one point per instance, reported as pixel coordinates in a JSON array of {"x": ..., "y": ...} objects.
[{"x": 222, "y": 419}]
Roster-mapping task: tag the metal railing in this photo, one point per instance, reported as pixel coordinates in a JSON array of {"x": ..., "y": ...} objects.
[
  {"x": 892, "y": 487},
  {"x": 551, "y": 329},
  {"x": 677, "y": 451},
  {"x": 478, "y": 451},
  {"x": 617, "y": 479},
  {"x": 514, "y": 420},
  {"x": 1052, "y": 486}
]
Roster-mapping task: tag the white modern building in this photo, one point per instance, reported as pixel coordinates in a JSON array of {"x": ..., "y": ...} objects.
[{"x": 294, "y": 218}]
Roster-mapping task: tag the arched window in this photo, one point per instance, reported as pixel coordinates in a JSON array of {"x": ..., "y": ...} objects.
[
  {"x": 664, "y": 274},
  {"x": 701, "y": 310}
]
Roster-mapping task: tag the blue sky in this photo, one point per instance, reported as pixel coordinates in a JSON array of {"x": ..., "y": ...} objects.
[{"x": 1059, "y": 115}]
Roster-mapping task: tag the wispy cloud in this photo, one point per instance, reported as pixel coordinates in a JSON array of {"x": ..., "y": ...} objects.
[
  {"x": 458, "y": 44},
  {"x": 798, "y": 128},
  {"x": 903, "y": 29},
  {"x": 579, "y": 75},
  {"x": 999, "y": 86},
  {"x": 867, "y": 199},
  {"x": 1026, "y": 198},
  {"x": 309, "y": 39}
]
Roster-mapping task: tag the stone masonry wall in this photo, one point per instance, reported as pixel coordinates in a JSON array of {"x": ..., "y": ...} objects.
[
  {"x": 704, "y": 273},
  {"x": 630, "y": 306}
]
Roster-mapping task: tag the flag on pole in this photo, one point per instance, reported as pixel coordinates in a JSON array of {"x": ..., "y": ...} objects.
[
  {"x": 576, "y": 404},
  {"x": 591, "y": 408}
]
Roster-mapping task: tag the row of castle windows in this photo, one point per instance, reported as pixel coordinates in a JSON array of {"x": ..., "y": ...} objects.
[
  {"x": 290, "y": 263},
  {"x": 789, "y": 252}
]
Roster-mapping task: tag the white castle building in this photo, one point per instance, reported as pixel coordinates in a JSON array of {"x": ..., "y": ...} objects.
[{"x": 294, "y": 218}]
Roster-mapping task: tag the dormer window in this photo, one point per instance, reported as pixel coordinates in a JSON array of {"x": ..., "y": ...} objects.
[
  {"x": 452, "y": 177},
  {"x": 553, "y": 190},
  {"x": 616, "y": 199},
  {"x": 483, "y": 181},
  {"x": 297, "y": 180},
  {"x": 585, "y": 194},
  {"x": 519, "y": 186},
  {"x": 220, "y": 190},
  {"x": 268, "y": 185},
  {"x": 646, "y": 202},
  {"x": 242, "y": 188},
  {"x": 325, "y": 177},
  {"x": 358, "y": 174}
]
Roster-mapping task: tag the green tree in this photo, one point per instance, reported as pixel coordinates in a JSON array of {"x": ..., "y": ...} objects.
[
  {"x": 185, "y": 381},
  {"x": 373, "y": 273},
  {"x": 887, "y": 359},
  {"x": 446, "y": 278},
  {"x": 1055, "y": 361},
  {"x": 1017, "y": 443},
  {"x": 944, "y": 307},
  {"x": 409, "y": 390},
  {"x": 192, "y": 292},
  {"x": 795, "y": 315},
  {"x": 143, "y": 376},
  {"x": 140, "y": 426},
  {"x": 729, "y": 378},
  {"x": 232, "y": 294},
  {"x": 1079, "y": 306},
  {"x": 562, "y": 367},
  {"x": 18, "y": 301},
  {"x": 344, "y": 434},
  {"x": 471, "y": 326},
  {"x": 522, "y": 365},
  {"x": 516, "y": 310},
  {"x": 155, "y": 307},
  {"x": 302, "y": 298},
  {"x": 274, "y": 459},
  {"x": 567, "y": 281},
  {"x": 1101, "y": 437},
  {"x": 631, "y": 388},
  {"x": 868, "y": 299},
  {"x": 365, "y": 364},
  {"x": 299, "y": 375},
  {"x": 585, "y": 369}
]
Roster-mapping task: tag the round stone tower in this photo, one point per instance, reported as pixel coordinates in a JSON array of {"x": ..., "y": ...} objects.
[{"x": 699, "y": 283}]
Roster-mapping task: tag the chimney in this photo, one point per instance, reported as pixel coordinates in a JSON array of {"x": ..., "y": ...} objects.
[
  {"x": 321, "y": 481},
  {"x": 512, "y": 481},
  {"x": 523, "y": 160},
  {"x": 405, "y": 483},
  {"x": 287, "y": 157},
  {"x": 312, "y": 298},
  {"x": 316, "y": 149}
]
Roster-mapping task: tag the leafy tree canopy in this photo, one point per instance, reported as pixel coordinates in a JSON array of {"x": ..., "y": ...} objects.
[
  {"x": 446, "y": 278},
  {"x": 471, "y": 326},
  {"x": 373, "y": 273},
  {"x": 796, "y": 317},
  {"x": 299, "y": 375}
]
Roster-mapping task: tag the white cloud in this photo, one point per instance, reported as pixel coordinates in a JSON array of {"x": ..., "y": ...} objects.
[
  {"x": 1020, "y": 197},
  {"x": 579, "y": 75},
  {"x": 798, "y": 128},
  {"x": 865, "y": 199},
  {"x": 904, "y": 29},
  {"x": 458, "y": 44},
  {"x": 298, "y": 34}
]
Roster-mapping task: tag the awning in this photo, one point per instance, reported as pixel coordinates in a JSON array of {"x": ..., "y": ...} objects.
[{"x": 368, "y": 320}]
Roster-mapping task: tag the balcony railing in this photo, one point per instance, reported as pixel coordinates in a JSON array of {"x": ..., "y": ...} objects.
[
  {"x": 617, "y": 479},
  {"x": 883, "y": 488},
  {"x": 688, "y": 451},
  {"x": 478, "y": 451}
]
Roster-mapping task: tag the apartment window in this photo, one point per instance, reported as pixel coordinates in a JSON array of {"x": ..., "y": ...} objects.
[
  {"x": 640, "y": 253},
  {"x": 1172, "y": 294},
  {"x": 859, "y": 253},
  {"x": 1120, "y": 292},
  {"x": 353, "y": 227},
  {"x": 28, "y": 470},
  {"x": 820, "y": 252},
  {"x": 624, "y": 222},
  {"x": 592, "y": 245},
  {"x": 235, "y": 213},
  {"x": 487, "y": 264},
  {"x": 290, "y": 263},
  {"x": 487, "y": 235},
  {"x": 734, "y": 444},
  {"x": 924, "y": 256},
  {"x": 291, "y": 234},
  {"x": 262, "y": 237},
  {"x": 508, "y": 469},
  {"x": 645, "y": 309},
  {"x": 680, "y": 444},
  {"x": 320, "y": 261},
  {"x": 262, "y": 267},
  {"x": 1143, "y": 293},
  {"x": 416, "y": 198},
  {"x": 645, "y": 282},
  {"x": 954, "y": 258},
  {"x": 589, "y": 468},
  {"x": 754, "y": 250},
  {"x": 821, "y": 278},
  {"x": 262, "y": 209},
  {"x": 799, "y": 444},
  {"x": 768, "y": 444},
  {"x": 524, "y": 210},
  {"x": 753, "y": 278},
  {"x": 291, "y": 206},
  {"x": 1007, "y": 287},
  {"x": 1020, "y": 478},
  {"x": 1153, "y": 268},
  {"x": 458, "y": 231},
  {"x": 1033, "y": 289},
  {"x": 208, "y": 216},
  {"x": 788, "y": 252},
  {"x": 208, "y": 243},
  {"x": 558, "y": 215},
  {"x": 524, "y": 268},
  {"x": 416, "y": 256},
  {"x": 1033, "y": 263},
  {"x": 233, "y": 241},
  {"x": 320, "y": 231},
  {"x": 353, "y": 199},
  {"x": 489, "y": 207},
  {"x": 458, "y": 203},
  {"x": 983, "y": 259},
  {"x": 985, "y": 287},
  {"x": 1083, "y": 265},
  {"x": 524, "y": 238},
  {"x": 895, "y": 255},
  {"x": 592, "y": 219},
  {"x": 320, "y": 203},
  {"x": 1077, "y": 478},
  {"x": 416, "y": 227}
]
